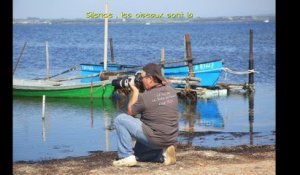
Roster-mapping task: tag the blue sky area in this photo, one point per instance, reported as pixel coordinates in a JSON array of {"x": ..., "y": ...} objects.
[{"x": 71, "y": 9}]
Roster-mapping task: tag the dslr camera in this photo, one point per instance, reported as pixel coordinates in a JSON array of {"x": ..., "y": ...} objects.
[{"x": 123, "y": 82}]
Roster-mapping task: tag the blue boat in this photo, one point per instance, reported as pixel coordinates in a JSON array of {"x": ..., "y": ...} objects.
[{"x": 208, "y": 72}]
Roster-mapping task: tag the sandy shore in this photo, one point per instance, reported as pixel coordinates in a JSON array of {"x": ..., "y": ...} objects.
[{"x": 244, "y": 159}]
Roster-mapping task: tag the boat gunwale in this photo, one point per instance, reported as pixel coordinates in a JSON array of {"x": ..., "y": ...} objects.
[
  {"x": 197, "y": 63},
  {"x": 129, "y": 66},
  {"x": 55, "y": 85},
  {"x": 111, "y": 64}
]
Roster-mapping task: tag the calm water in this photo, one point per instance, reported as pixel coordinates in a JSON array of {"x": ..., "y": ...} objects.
[{"x": 73, "y": 127}]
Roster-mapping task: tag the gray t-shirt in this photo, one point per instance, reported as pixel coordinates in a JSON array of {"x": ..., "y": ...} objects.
[{"x": 159, "y": 114}]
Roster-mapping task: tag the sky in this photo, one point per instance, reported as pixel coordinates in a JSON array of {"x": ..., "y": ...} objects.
[{"x": 72, "y": 9}]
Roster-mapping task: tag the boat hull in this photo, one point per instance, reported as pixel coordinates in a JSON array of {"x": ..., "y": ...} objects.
[
  {"x": 63, "y": 90},
  {"x": 208, "y": 72}
]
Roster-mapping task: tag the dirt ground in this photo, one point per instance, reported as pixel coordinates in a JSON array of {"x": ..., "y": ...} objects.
[{"x": 245, "y": 159}]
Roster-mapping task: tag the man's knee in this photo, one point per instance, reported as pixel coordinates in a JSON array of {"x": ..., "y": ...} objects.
[{"x": 120, "y": 119}]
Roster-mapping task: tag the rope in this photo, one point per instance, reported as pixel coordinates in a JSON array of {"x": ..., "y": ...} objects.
[
  {"x": 207, "y": 70},
  {"x": 76, "y": 77},
  {"x": 21, "y": 53},
  {"x": 66, "y": 71},
  {"x": 239, "y": 72}
]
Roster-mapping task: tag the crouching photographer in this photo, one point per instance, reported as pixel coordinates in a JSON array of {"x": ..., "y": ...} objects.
[{"x": 156, "y": 130}]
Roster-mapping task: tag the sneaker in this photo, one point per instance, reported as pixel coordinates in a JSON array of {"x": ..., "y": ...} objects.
[
  {"x": 169, "y": 155},
  {"x": 127, "y": 161}
]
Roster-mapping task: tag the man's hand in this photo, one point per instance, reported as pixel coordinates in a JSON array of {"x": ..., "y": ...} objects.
[
  {"x": 134, "y": 96},
  {"x": 132, "y": 85}
]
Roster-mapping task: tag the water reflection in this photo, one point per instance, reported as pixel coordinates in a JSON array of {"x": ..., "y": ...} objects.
[
  {"x": 84, "y": 124},
  {"x": 202, "y": 122},
  {"x": 44, "y": 130},
  {"x": 200, "y": 115},
  {"x": 74, "y": 121},
  {"x": 106, "y": 128},
  {"x": 251, "y": 115},
  {"x": 46, "y": 118},
  {"x": 92, "y": 112},
  {"x": 99, "y": 103}
]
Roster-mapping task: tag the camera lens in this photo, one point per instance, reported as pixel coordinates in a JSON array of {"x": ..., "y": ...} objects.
[
  {"x": 124, "y": 82},
  {"x": 120, "y": 82}
]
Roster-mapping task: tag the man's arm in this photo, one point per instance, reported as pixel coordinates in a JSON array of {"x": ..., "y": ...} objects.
[{"x": 133, "y": 99}]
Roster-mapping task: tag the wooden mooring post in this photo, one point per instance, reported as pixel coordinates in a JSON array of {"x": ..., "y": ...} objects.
[
  {"x": 112, "y": 56},
  {"x": 248, "y": 86},
  {"x": 47, "y": 61},
  {"x": 162, "y": 59},
  {"x": 251, "y": 64},
  {"x": 188, "y": 49},
  {"x": 105, "y": 37}
]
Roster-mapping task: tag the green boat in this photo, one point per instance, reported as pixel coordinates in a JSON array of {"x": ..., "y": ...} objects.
[{"x": 25, "y": 87}]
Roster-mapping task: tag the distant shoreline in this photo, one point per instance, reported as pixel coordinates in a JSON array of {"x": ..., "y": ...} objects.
[{"x": 147, "y": 21}]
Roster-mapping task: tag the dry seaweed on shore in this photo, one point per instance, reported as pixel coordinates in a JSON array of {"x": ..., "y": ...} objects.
[{"x": 255, "y": 159}]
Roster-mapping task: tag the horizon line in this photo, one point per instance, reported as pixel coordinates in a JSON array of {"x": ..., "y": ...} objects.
[{"x": 270, "y": 15}]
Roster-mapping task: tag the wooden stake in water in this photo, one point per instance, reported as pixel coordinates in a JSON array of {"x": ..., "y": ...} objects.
[
  {"x": 184, "y": 56},
  {"x": 251, "y": 63},
  {"x": 105, "y": 36},
  {"x": 162, "y": 61},
  {"x": 188, "y": 49},
  {"x": 112, "y": 56},
  {"x": 92, "y": 85},
  {"x": 92, "y": 103},
  {"x": 47, "y": 61}
]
